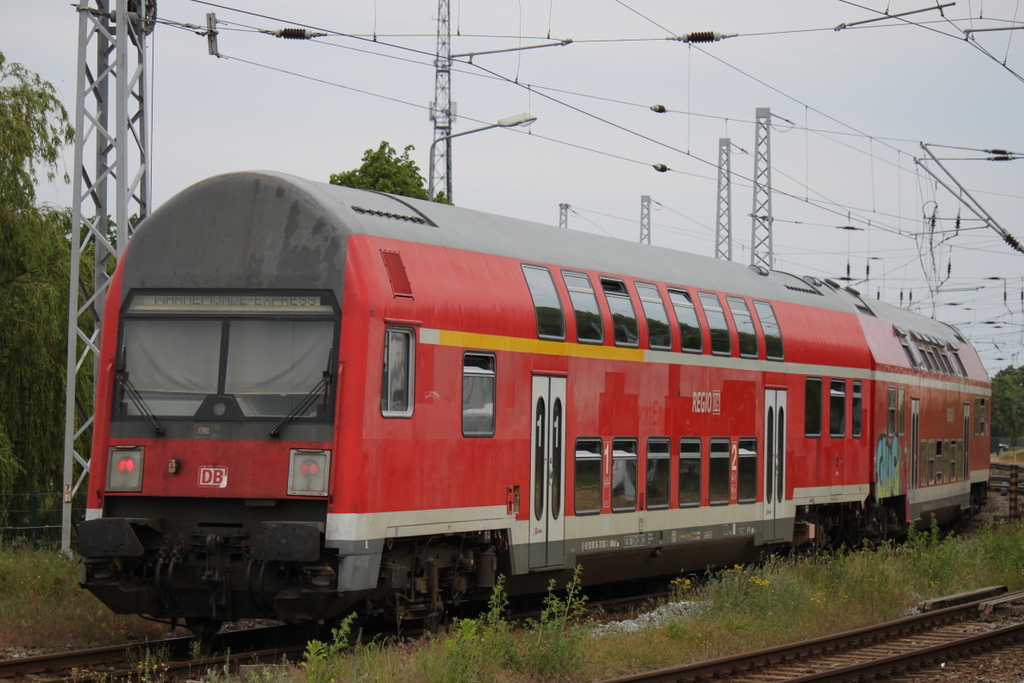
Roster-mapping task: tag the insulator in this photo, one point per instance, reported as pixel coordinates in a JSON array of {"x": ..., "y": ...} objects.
[
  {"x": 949, "y": 268},
  {"x": 1002, "y": 152},
  {"x": 702, "y": 37},
  {"x": 659, "y": 108},
  {"x": 660, "y": 168},
  {"x": 294, "y": 33},
  {"x": 1002, "y": 157}
]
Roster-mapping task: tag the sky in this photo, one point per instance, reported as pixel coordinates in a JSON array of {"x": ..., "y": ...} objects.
[{"x": 850, "y": 110}]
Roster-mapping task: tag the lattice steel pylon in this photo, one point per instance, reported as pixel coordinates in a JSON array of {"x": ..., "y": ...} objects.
[
  {"x": 645, "y": 219},
  {"x": 761, "y": 253},
  {"x": 114, "y": 32},
  {"x": 442, "y": 109},
  {"x": 723, "y": 231},
  {"x": 563, "y": 215}
]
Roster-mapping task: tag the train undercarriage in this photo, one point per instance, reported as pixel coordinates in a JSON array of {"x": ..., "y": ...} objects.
[{"x": 206, "y": 573}]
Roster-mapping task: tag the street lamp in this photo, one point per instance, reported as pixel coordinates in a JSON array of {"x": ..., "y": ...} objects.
[{"x": 523, "y": 119}]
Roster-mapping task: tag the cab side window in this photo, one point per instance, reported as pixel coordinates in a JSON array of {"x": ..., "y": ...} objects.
[{"x": 397, "y": 378}]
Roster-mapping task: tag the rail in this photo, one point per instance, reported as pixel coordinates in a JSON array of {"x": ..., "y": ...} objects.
[{"x": 886, "y": 649}]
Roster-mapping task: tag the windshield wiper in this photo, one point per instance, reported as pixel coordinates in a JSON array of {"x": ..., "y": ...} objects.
[
  {"x": 139, "y": 402},
  {"x": 306, "y": 402}
]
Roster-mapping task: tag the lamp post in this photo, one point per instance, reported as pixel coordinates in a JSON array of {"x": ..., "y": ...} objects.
[{"x": 523, "y": 119}]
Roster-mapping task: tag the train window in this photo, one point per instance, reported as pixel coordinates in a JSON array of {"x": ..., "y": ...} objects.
[
  {"x": 624, "y": 324},
  {"x": 837, "y": 408},
  {"x": 478, "y": 378},
  {"x": 926, "y": 362},
  {"x": 953, "y": 462},
  {"x": 922, "y": 468},
  {"x": 397, "y": 379},
  {"x": 747, "y": 474},
  {"x": 172, "y": 364},
  {"x": 657, "y": 473},
  {"x": 689, "y": 472},
  {"x": 720, "y": 342},
  {"x": 940, "y": 462},
  {"x": 227, "y": 356},
  {"x": 890, "y": 426},
  {"x": 718, "y": 472},
  {"x": 901, "y": 412},
  {"x": 959, "y": 363},
  {"x": 931, "y": 461},
  {"x": 550, "y": 321},
  {"x": 772, "y": 332},
  {"x": 589, "y": 326},
  {"x": 623, "y": 475},
  {"x": 689, "y": 325},
  {"x": 812, "y": 406},
  {"x": 659, "y": 334},
  {"x": 908, "y": 350},
  {"x": 744, "y": 323},
  {"x": 980, "y": 417},
  {"x": 858, "y": 409},
  {"x": 588, "y": 477}
]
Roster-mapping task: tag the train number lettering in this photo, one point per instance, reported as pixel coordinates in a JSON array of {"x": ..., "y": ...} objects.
[
  {"x": 707, "y": 402},
  {"x": 213, "y": 477}
]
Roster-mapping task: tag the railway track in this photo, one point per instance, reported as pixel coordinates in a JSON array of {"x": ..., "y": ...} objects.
[
  {"x": 170, "y": 656},
  {"x": 884, "y": 651}
]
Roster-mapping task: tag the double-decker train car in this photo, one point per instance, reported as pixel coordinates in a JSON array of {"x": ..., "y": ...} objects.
[{"x": 312, "y": 399}]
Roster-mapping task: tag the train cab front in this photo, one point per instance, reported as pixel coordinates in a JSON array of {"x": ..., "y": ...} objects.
[{"x": 212, "y": 468}]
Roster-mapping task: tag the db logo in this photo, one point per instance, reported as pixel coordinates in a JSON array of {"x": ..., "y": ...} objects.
[{"x": 213, "y": 477}]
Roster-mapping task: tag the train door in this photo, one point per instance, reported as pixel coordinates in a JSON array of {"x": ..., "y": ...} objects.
[
  {"x": 547, "y": 444},
  {"x": 774, "y": 464}
]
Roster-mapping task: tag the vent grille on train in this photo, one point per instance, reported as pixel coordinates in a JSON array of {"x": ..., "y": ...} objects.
[{"x": 388, "y": 214}]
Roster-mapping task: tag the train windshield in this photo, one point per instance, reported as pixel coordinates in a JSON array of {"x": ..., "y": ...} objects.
[{"x": 225, "y": 361}]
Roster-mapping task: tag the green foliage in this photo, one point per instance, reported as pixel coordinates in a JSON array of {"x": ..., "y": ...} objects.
[
  {"x": 384, "y": 171},
  {"x": 325, "y": 662},
  {"x": 33, "y": 285},
  {"x": 549, "y": 646},
  {"x": 33, "y": 129},
  {"x": 1008, "y": 403}
]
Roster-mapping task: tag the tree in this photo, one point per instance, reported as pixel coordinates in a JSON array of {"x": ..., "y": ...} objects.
[
  {"x": 34, "y": 263},
  {"x": 1008, "y": 403},
  {"x": 383, "y": 170}
]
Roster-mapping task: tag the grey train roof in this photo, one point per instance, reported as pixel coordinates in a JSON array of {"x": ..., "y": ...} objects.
[{"x": 274, "y": 230}]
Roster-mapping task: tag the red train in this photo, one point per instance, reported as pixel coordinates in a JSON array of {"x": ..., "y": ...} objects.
[{"x": 313, "y": 398}]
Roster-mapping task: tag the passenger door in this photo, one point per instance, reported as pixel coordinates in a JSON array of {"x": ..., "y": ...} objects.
[
  {"x": 547, "y": 448},
  {"x": 774, "y": 506}
]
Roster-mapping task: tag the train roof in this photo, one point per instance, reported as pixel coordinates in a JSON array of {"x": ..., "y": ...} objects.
[{"x": 273, "y": 230}]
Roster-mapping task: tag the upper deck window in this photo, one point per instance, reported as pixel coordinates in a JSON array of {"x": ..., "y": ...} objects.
[
  {"x": 659, "y": 334},
  {"x": 550, "y": 320},
  {"x": 690, "y": 335},
  {"x": 772, "y": 332},
  {"x": 627, "y": 331},
  {"x": 226, "y": 356},
  {"x": 744, "y": 326},
  {"x": 720, "y": 341},
  {"x": 589, "y": 326}
]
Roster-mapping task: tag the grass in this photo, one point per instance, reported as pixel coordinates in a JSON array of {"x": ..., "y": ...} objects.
[
  {"x": 736, "y": 609},
  {"x": 41, "y": 605}
]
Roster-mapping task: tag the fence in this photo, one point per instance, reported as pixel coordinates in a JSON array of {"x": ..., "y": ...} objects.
[{"x": 33, "y": 520}]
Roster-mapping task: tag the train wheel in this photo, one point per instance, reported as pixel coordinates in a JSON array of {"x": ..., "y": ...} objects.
[{"x": 203, "y": 628}]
